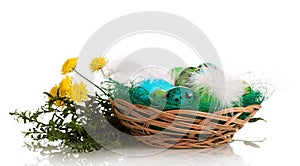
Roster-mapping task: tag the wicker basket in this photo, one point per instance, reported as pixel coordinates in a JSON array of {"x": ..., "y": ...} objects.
[{"x": 181, "y": 128}]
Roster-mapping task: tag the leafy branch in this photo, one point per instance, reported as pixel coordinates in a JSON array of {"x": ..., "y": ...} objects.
[{"x": 71, "y": 125}]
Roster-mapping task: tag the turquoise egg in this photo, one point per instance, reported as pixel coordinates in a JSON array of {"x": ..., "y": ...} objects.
[
  {"x": 139, "y": 95},
  {"x": 152, "y": 85},
  {"x": 180, "y": 96}
]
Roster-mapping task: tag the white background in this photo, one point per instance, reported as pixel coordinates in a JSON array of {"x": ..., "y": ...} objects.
[{"x": 258, "y": 35}]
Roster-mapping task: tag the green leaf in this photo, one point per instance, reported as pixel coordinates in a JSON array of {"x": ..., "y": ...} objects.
[
  {"x": 249, "y": 143},
  {"x": 252, "y": 120}
]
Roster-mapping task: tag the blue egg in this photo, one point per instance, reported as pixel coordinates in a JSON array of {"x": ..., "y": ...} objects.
[
  {"x": 180, "y": 96},
  {"x": 156, "y": 84}
]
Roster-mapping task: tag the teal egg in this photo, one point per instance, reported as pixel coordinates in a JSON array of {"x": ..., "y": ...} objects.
[
  {"x": 180, "y": 96},
  {"x": 139, "y": 95}
]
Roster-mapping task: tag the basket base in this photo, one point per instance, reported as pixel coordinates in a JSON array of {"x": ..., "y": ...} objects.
[{"x": 162, "y": 141}]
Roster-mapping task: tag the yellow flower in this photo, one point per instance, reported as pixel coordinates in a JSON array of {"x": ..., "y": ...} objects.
[
  {"x": 69, "y": 66},
  {"x": 97, "y": 64},
  {"x": 53, "y": 93},
  {"x": 60, "y": 103},
  {"x": 65, "y": 87},
  {"x": 79, "y": 92}
]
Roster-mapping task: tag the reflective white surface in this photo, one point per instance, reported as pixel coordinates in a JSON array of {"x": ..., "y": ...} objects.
[{"x": 218, "y": 156}]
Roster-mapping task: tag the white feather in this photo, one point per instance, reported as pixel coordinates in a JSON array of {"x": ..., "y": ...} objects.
[
  {"x": 234, "y": 90},
  {"x": 227, "y": 90}
]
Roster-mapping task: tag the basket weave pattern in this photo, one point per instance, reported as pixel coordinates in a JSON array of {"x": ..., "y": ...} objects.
[{"x": 181, "y": 128}]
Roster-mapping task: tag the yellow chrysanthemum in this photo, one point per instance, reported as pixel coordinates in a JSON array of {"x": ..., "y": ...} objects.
[
  {"x": 97, "y": 64},
  {"x": 60, "y": 103},
  {"x": 69, "y": 66},
  {"x": 65, "y": 87},
  {"x": 79, "y": 92},
  {"x": 53, "y": 93}
]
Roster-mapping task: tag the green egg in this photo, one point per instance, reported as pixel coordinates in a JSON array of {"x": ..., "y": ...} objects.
[
  {"x": 176, "y": 71},
  {"x": 159, "y": 94},
  {"x": 185, "y": 75},
  {"x": 158, "y": 99}
]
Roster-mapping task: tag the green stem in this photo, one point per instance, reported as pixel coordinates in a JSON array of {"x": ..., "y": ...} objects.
[
  {"x": 102, "y": 73},
  {"x": 91, "y": 82}
]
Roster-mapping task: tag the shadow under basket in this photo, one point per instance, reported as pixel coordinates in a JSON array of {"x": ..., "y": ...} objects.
[{"x": 181, "y": 128}]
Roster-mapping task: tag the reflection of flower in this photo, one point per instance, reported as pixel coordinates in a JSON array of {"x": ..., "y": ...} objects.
[
  {"x": 69, "y": 66},
  {"x": 97, "y": 64},
  {"x": 79, "y": 92}
]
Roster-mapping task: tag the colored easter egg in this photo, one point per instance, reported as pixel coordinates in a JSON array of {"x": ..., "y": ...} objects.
[
  {"x": 159, "y": 93},
  {"x": 139, "y": 95},
  {"x": 152, "y": 85},
  {"x": 158, "y": 99},
  {"x": 184, "y": 76},
  {"x": 180, "y": 96},
  {"x": 176, "y": 71}
]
